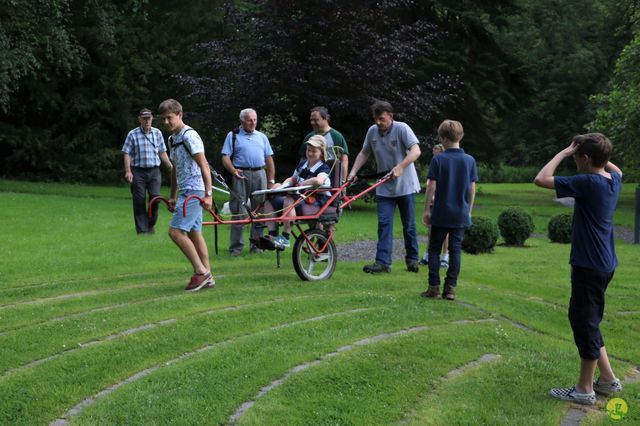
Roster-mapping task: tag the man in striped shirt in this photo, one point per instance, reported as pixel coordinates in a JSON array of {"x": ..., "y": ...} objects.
[{"x": 143, "y": 150}]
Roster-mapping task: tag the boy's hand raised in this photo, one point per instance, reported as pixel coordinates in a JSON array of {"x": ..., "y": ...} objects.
[{"x": 571, "y": 149}]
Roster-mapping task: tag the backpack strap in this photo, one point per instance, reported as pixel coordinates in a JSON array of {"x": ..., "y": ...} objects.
[
  {"x": 174, "y": 145},
  {"x": 234, "y": 138}
]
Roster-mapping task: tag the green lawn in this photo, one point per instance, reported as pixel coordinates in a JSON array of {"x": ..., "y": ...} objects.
[{"x": 95, "y": 326}]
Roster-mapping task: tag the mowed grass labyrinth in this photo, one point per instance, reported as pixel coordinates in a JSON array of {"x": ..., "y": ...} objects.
[{"x": 95, "y": 327}]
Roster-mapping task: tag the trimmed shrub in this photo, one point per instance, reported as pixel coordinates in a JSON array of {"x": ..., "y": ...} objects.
[
  {"x": 516, "y": 225},
  {"x": 559, "y": 228},
  {"x": 481, "y": 237}
]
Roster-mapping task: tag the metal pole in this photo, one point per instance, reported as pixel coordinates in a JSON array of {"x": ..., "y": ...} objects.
[{"x": 636, "y": 235}]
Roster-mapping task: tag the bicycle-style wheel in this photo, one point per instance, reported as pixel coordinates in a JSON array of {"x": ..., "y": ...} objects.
[{"x": 311, "y": 264}]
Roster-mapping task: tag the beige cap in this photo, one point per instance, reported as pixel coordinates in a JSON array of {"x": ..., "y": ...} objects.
[{"x": 319, "y": 142}]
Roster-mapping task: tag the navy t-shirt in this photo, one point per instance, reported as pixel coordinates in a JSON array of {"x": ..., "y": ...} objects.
[
  {"x": 453, "y": 171},
  {"x": 592, "y": 244}
]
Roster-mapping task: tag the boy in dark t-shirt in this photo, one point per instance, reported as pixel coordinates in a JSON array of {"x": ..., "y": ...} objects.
[
  {"x": 452, "y": 181},
  {"x": 593, "y": 258}
]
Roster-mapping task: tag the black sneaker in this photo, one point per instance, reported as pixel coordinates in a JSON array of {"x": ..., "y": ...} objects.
[
  {"x": 376, "y": 268},
  {"x": 412, "y": 265}
]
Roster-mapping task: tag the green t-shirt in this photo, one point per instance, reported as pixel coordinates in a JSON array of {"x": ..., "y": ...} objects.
[{"x": 333, "y": 137}]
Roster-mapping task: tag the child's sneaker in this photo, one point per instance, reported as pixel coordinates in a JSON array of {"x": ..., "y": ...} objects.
[
  {"x": 198, "y": 281},
  {"x": 607, "y": 388},
  {"x": 425, "y": 259},
  {"x": 281, "y": 242},
  {"x": 571, "y": 395},
  {"x": 444, "y": 262}
]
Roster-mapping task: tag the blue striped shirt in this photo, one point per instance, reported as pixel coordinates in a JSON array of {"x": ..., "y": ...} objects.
[{"x": 144, "y": 148}]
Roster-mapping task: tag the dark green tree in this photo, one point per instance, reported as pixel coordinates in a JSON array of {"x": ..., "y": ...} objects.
[
  {"x": 618, "y": 108},
  {"x": 490, "y": 81},
  {"x": 284, "y": 57},
  {"x": 564, "y": 50},
  {"x": 77, "y": 73}
]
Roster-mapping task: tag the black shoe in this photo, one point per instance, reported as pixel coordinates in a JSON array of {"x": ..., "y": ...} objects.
[
  {"x": 412, "y": 266},
  {"x": 255, "y": 249},
  {"x": 376, "y": 268}
]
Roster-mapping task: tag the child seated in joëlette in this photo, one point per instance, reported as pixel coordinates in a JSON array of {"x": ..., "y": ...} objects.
[{"x": 312, "y": 171}]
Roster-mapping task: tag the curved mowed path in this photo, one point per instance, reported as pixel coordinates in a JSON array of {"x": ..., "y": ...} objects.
[{"x": 267, "y": 348}]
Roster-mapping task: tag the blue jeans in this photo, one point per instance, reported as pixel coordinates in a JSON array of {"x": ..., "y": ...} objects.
[
  {"x": 436, "y": 238},
  {"x": 386, "y": 210}
]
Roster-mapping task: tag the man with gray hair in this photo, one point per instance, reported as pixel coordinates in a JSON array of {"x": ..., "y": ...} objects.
[{"x": 247, "y": 155}]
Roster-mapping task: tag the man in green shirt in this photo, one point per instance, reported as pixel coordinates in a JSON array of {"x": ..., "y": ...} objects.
[{"x": 320, "y": 122}]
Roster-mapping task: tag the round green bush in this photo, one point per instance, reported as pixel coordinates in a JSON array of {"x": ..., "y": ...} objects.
[
  {"x": 481, "y": 237},
  {"x": 516, "y": 225},
  {"x": 559, "y": 228}
]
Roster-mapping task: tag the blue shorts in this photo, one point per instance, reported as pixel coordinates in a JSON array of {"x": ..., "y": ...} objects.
[{"x": 192, "y": 222}]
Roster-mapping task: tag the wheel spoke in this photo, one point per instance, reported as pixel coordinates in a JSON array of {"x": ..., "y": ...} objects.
[{"x": 310, "y": 265}]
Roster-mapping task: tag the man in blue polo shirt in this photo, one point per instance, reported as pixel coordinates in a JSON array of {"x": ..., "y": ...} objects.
[
  {"x": 143, "y": 150},
  {"x": 246, "y": 154},
  {"x": 395, "y": 148},
  {"x": 452, "y": 179}
]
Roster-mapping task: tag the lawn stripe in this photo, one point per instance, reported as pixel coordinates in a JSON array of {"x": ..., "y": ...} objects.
[
  {"x": 460, "y": 370},
  {"x": 301, "y": 367},
  {"x": 22, "y": 314},
  {"x": 71, "y": 344},
  {"x": 116, "y": 277},
  {"x": 73, "y": 295},
  {"x": 485, "y": 358},
  {"x": 144, "y": 327},
  {"x": 88, "y": 344},
  {"x": 575, "y": 414},
  {"x": 142, "y": 298},
  {"x": 174, "y": 342},
  {"x": 77, "y": 409}
]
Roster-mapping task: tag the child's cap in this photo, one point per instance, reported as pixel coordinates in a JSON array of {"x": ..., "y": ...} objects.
[
  {"x": 320, "y": 142},
  {"x": 145, "y": 112}
]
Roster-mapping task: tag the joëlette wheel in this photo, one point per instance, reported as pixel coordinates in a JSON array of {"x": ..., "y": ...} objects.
[{"x": 310, "y": 263}]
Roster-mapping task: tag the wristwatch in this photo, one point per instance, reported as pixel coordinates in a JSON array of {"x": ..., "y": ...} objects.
[
  {"x": 272, "y": 181},
  {"x": 209, "y": 193}
]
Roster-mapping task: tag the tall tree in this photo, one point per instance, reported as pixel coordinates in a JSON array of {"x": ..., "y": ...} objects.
[
  {"x": 471, "y": 49},
  {"x": 618, "y": 110},
  {"x": 283, "y": 57},
  {"x": 564, "y": 50},
  {"x": 78, "y": 72}
]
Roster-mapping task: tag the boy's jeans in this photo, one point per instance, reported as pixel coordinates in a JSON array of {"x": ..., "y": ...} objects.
[
  {"x": 386, "y": 210},
  {"x": 436, "y": 239}
]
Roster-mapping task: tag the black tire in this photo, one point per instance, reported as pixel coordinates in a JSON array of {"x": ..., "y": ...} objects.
[{"x": 312, "y": 266}]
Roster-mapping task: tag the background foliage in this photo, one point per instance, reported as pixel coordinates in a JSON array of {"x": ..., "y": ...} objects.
[{"x": 523, "y": 77}]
